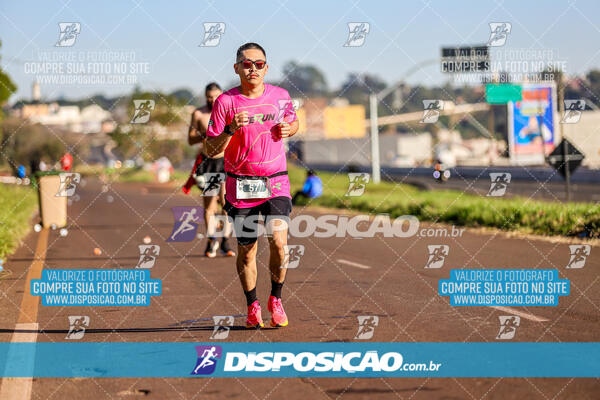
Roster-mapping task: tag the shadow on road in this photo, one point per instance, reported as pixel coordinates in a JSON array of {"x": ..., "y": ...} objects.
[{"x": 127, "y": 330}]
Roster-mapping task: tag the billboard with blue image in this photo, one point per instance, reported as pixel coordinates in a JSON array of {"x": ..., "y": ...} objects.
[{"x": 532, "y": 123}]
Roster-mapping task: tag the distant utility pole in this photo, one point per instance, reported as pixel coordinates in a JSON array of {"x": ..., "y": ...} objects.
[
  {"x": 373, "y": 102},
  {"x": 561, "y": 108},
  {"x": 375, "y": 164}
]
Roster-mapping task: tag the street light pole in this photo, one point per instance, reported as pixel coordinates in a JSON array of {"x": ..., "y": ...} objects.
[
  {"x": 373, "y": 100},
  {"x": 375, "y": 164},
  {"x": 561, "y": 115}
]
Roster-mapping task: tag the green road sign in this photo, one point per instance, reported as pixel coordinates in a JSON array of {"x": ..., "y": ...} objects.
[{"x": 502, "y": 93}]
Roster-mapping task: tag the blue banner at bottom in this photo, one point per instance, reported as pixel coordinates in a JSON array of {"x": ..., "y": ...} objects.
[{"x": 226, "y": 359}]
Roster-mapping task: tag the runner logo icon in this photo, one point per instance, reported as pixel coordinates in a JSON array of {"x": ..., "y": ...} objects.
[
  {"x": 508, "y": 326},
  {"x": 223, "y": 324},
  {"x": 579, "y": 254},
  {"x": 68, "y": 33},
  {"x": 207, "y": 359},
  {"x": 68, "y": 184},
  {"x": 499, "y": 33},
  {"x": 286, "y": 108},
  {"x": 499, "y": 184},
  {"x": 437, "y": 255},
  {"x": 358, "y": 34},
  {"x": 142, "y": 108},
  {"x": 212, "y": 34},
  {"x": 573, "y": 109},
  {"x": 366, "y": 326},
  {"x": 212, "y": 183},
  {"x": 292, "y": 255},
  {"x": 358, "y": 183},
  {"x": 148, "y": 254},
  {"x": 186, "y": 223},
  {"x": 431, "y": 111},
  {"x": 77, "y": 325}
]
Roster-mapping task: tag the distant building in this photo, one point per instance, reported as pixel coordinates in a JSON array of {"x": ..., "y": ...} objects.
[
  {"x": 395, "y": 150},
  {"x": 584, "y": 136},
  {"x": 406, "y": 150},
  {"x": 64, "y": 116},
  {"x": 28, "y": 111},
  {"x": 90, "y": 119},
  {"x": 321, "y": 119},
  {"x": 451, "y": 149}
]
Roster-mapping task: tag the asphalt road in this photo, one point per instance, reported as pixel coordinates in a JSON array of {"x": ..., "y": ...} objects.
[{"x": 338, "y": 279}]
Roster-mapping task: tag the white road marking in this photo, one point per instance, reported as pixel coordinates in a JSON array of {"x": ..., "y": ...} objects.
[
  {"x": 21, "y": 388},
  {"x": 353, "y": 264},
  {"x": 521, "y": 314}
]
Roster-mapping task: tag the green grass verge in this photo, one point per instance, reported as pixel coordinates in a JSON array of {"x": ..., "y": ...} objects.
[
  {"x": 17, "y": 204},
  {"x": 129, "y": 174},
  {"x": 455, "y": 207}
]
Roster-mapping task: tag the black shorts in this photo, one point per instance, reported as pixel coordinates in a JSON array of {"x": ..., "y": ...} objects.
[
  {"x": 246, "y": 229},
  {"x": 211, "y": 165}
]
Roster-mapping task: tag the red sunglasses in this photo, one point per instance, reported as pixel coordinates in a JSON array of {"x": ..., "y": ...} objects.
[{"x": 247, "y": 64}]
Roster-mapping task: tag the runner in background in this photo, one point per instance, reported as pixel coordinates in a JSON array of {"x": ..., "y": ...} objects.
[{"x": 209, "y": 172}]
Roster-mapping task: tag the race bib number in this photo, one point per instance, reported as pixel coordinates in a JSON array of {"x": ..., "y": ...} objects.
[{"x": 255, "y": 188}]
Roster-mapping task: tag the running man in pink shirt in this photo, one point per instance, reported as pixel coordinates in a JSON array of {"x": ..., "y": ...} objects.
[{"x": 249, "y": 122}]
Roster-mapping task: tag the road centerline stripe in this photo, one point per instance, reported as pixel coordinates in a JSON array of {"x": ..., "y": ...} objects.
[
  {"x": 353, "y": 264},
  {"x": 521, "y": 314}
]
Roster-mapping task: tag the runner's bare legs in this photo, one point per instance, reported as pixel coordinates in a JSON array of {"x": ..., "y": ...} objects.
[
  {"x": 277, "y": 242},
  {"x": 227, "y": 226},
  {"x": 246, "y": 260},
  {"x": 246, "y": 265},
  {"x": 210, "y": 209}
]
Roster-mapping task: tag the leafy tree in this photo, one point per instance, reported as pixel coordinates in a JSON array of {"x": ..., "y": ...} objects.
[
  {"x": 183, "y": 96},
  {"x": 23, "y": 143},
  {"x": 303, "y": 80},
  {"x": 357, "y": 87},
  {"x": 7, "y": 86}
]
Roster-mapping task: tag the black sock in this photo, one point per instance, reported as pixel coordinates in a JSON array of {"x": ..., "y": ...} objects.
[
  {"x": 251, "y": 296},
  {"x": 276, "y": 289}
]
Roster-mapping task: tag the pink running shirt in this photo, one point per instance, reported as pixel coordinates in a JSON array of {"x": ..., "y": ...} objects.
[{"x": 254, "y": 149}]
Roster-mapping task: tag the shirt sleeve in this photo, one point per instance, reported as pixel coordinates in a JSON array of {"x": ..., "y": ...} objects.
[{"x": 218, "y": 118}]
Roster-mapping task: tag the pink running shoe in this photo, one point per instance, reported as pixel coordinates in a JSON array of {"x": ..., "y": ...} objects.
[
  {"x": 278, "y": 317},
  {"x": 254, "y": 319}
]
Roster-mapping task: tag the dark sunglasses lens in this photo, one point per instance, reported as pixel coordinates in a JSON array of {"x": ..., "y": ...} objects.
[
  {"x": 247, "y": 64},
  {"x": 259, "y": 64}
]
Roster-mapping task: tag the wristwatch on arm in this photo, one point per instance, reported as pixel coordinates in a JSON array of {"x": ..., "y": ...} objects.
[{"x": 228, "y": 130}]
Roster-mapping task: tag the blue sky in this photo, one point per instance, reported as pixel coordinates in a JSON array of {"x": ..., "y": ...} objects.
[{"x": 167, "y": 34}]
